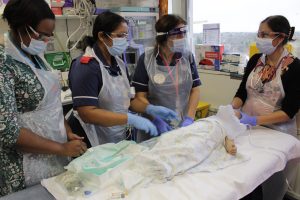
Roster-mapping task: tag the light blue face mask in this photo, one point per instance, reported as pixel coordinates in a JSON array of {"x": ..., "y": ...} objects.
[
  {"x": 180, "y": 45},
  {"x": 35, "y": 47},
  {"x": 118, "y": 47}
]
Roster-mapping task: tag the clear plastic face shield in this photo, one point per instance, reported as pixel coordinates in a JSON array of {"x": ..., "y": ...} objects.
[{"x": 178, "y": 39}]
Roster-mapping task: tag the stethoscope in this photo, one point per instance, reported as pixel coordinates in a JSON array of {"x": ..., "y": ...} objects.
[{"x": 259, "y": 85}]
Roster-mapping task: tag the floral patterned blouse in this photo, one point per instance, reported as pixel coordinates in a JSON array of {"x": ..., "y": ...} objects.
[{"x": 20, "y": 91}]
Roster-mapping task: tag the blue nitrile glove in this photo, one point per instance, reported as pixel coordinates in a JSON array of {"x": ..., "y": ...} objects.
[
  {"x": 142, "y": 123},
  {"x": 186, "y": 121},
  {"x": 161, "y": 125},
  {"x": 162, "y": 112},
  {"x": 247, "y": 119}
]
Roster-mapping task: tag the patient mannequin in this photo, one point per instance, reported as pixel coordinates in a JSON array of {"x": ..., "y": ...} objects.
[{"x": 206, "y": 145}]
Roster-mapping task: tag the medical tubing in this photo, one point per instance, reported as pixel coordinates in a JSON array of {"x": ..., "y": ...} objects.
[
  {"x": 210, "y": 131},
  {"x": 83, "y": 9},
  {"x": 265, "y": 148}
]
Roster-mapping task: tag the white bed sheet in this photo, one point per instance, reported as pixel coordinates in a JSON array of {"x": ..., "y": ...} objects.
[{"x": 269, "y": 150}]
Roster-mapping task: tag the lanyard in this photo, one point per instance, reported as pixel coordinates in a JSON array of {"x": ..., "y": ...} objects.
[{"x": 175, "y": 82}]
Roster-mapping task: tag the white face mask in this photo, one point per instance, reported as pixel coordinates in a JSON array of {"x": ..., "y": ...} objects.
[
  {"x": 180, "y": 45},
  {"x": 35, "y": 46},
  {"x": 265, "y": 45}
]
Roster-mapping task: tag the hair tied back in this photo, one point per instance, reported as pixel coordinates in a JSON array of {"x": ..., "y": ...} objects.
[{"x": 291, "y": 33}]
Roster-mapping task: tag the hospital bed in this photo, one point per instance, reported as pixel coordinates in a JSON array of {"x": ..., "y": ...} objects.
[{"x": 268, "y": 151}]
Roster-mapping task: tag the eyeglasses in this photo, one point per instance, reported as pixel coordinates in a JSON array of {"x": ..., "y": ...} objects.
[
  {"x": 262, "y": 34},
  {"x": 119, "y": 35},
  {"x": 41, "y": 36}
]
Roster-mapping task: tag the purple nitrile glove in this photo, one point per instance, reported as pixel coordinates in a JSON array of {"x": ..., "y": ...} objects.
[
  {"x": 186, "y": 121},
  {"x": 161, "y": 125},
  {"x": 247, "y": 119}
]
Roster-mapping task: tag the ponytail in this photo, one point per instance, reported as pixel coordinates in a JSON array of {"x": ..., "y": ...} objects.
[{"x": 88, "y": 41}]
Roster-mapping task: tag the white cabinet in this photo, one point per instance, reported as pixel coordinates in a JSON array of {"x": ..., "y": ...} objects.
[{"x": 217, "y": 87}]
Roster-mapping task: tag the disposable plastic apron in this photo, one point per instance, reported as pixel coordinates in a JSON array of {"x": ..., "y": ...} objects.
[
  {"x": 113, "y": 96},
  {"x": 262, "y": 100},
  {"x": 169, "y": 86},
  {"x": 46, "y": 120},
  {"x": 267, "y": 98}
]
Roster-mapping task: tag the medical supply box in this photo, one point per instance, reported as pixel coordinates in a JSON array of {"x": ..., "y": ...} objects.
[
  {"x": 209, "y": 56},
  {"x": 230, "y": 63}
]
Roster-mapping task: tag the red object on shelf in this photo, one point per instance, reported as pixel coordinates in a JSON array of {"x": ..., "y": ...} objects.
[{"x": 57, "y": 10}]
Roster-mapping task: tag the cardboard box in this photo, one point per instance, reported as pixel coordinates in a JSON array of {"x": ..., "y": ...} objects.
[{"x": 209, "y": 56}]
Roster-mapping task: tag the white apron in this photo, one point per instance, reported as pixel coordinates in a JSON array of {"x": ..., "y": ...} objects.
[
  {"x": 267, "y": 98},
  {"x": 169, "y": 86},
  {"x": 114, "y": 96},
  {"x": 46, "y": 120},
  {"x": 262, "y": 100}
]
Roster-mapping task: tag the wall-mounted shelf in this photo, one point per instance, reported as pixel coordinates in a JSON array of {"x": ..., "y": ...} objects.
[
  {"x": 70, "y": 16},
  {"x": 232, "y": 75}
]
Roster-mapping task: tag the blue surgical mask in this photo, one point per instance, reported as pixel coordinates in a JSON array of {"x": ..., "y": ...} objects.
[
  {"x": 179, "y": 45},
  {"x": 118, "y": 47},
  {"x": 265, "y": 45},
  {"x": 35, "y": 46}
]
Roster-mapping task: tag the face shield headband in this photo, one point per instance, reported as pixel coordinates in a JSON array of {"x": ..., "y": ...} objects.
[{"x": 175, "y": 31}]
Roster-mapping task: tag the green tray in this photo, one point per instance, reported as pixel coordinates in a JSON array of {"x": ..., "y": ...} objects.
[{"x": 59, "y": 60}]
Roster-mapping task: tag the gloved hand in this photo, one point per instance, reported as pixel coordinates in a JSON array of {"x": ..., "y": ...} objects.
[
  {"x": 162, "y": 112},
  {"x": 186, "y": 121},
  {"x": 142, "y": 123},
  {"x": 161, "y": 125},
  {"x": 247, "y": 119}
]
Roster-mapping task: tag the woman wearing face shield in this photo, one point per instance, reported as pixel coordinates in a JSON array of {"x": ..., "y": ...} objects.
[
  {"x": 269, "y": 93},
  {"x": 33, "y": 134},
  {"x": 100, "y": 85},
  {"x": 166, "y": 75}
]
